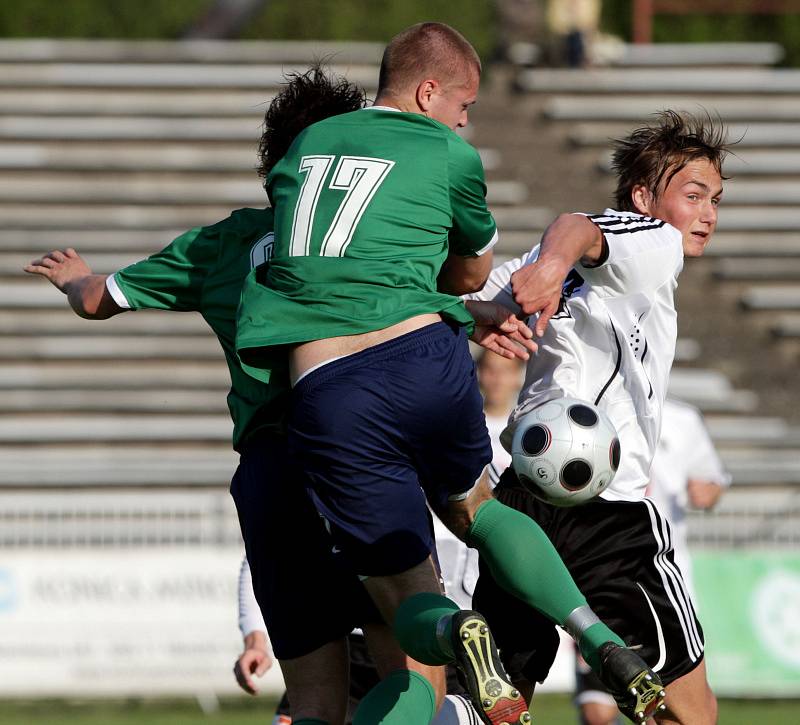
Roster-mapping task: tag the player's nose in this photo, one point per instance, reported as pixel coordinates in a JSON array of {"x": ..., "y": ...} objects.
[{"x": 709, "y": 213}]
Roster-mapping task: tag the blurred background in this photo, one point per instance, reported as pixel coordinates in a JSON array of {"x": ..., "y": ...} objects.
[{"x": 123, "y": 124}]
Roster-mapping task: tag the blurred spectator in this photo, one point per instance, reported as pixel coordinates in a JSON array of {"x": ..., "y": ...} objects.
[
  {"x": 686, "y": 473},
  {"x": 572, "y": 25},
  {"x": 500, "y": 380}
]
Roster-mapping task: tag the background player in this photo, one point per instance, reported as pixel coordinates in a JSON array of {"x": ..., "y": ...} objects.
[
  {"x": 605, "y": 283},
  {"x": 376, "y": 213},
  {"x": 686, "y": 473}
]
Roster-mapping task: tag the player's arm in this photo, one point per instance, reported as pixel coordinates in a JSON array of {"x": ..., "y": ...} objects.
[
  {"x": 703, "y": 494},
  {"x": 462, "y": 275},
  {"x": 255, "y": 658},
  {"x": 498, "y": 329},
  {"x": 474, "y": 232},
  {"x": 570, "y": 239},
  {"x": 86, "y": 292}
]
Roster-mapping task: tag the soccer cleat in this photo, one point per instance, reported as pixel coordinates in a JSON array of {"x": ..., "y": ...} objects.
[
  {"x": 636, "y": 688},
  {"x": 496, "y": 700}
]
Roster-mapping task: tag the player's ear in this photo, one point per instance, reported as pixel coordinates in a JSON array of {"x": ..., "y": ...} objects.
[
  {"x": 642, "y": 199},
  {"x": 425, "y": 93}
]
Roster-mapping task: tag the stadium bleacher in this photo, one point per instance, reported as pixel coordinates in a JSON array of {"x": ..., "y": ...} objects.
[{"x": 114, "y": 148}]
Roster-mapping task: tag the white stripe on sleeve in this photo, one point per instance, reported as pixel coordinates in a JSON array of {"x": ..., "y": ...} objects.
[{"x": 117, "y": 293}]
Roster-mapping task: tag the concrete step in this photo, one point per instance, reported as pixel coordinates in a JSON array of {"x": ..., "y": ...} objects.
[
  {"x": 757, "y": 219},
  {"x": 116, "y": 465},
  {"x": 757, "y": 269},
  {"x": 710, "y": 390},
  {"x": 60, "y": 320},
  {"x": 635, "y": 109},
  {"x": 260, "y": 76},
  {"x": 768, "y": 467},
  {"x": 139, "y": 188},
  {"x": 41, "y": 50},
  {"x": 109, "y": 347},
  {"x": 88, "y": 428},
  {"x": 94, "y": 128},
  {"x": 787, "y": 326},
  {"x": 661, "y": 80},
  {"x": 34, "y": 242},
  {"x": 665, "y": 55},
  {"x": 105, "y": 374},
  {"x": 772, "y": 297},
  {"x": 183, "y": 102},
  {"x": 764, "y": 244},
  {"x": 95, "y": 156},
  {"x": 21, "y": 400},
  {"x": 752, "y": 431},
  {"x": 75, "y": 217}
]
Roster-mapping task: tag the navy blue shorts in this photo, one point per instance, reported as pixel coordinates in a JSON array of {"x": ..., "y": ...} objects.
[
  {"x": 378, "y": 432},
  {"x": 290, "y": 555}
]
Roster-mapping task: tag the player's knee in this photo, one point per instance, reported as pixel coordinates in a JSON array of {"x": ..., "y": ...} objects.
[{"x": 712, "y": 707}]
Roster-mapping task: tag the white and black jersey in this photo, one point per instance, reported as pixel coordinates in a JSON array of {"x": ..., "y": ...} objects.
[{"x": 612, "y": 340}]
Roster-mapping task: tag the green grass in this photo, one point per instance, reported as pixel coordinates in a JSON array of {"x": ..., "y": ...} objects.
[{"x": 548, "y": 710}]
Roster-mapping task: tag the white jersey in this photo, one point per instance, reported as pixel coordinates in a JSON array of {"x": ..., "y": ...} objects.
[
  {"x": 612, "y": 340},
  {"x": 501, "y": 458},
  {"x": 685, "y": 451}
]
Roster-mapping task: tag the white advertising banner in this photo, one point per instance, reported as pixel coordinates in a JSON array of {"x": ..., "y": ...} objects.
[{"x": 120, "y": 623}]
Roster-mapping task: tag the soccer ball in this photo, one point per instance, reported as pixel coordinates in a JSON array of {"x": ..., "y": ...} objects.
[{"x": 565, "y": 451}]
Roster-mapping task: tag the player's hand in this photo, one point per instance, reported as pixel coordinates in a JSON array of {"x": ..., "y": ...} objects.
[
  {"x": 703, "y": 494},
  {"x": 499, "y": 330},
  {"x": 60, "y": 267},
  {"x": 255, "y": 660},
  {"x": 537, "y": 290}
]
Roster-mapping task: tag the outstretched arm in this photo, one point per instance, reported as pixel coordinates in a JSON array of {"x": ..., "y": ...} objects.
[
  {"x": 86, "y": 292},
  {"x": 537, "y": 287}
]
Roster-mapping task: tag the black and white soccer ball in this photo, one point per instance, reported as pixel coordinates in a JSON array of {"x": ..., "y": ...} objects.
[{"x": 565, "y": 451}]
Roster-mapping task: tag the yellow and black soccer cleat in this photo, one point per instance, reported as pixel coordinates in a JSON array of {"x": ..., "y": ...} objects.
[{"x": 497, "y": 701}]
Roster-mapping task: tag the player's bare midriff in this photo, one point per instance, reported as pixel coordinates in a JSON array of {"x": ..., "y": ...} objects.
[{"x": 316, "y": 352}]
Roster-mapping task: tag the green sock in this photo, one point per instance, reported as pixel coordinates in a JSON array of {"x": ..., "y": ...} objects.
[
  {"x": 417, "y": 626},
  {"x": 524, "y": 562},
  {"x": 401, "y": 698}
]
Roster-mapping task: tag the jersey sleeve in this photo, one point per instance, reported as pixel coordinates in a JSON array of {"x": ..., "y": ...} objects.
[
  {"x": 474, "y": 230},
  {"x": 171, "y": 279},
  {"x": 250, "y": 618},
  {"x": 643, "y": 254}
]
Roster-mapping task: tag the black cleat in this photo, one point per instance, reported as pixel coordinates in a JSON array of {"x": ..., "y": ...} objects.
[
  {"x": 496, "y": 700},
  {"x": 636, "y": 688}
]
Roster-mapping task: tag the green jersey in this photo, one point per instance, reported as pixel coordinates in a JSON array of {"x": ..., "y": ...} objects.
[
  {"x": 367, "y": 207},
  {"x": 203, "y": 271}
]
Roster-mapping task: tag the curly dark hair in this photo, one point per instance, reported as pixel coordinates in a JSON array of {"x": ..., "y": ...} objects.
[
  {"x": 304, "y": 99},
  {"x": 650, "y": 156}
]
